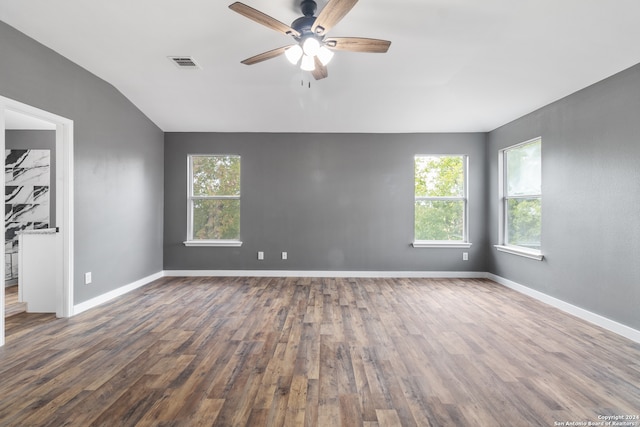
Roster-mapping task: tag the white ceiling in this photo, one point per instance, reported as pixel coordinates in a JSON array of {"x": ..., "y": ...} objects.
[{"x": 453, "y": 65}]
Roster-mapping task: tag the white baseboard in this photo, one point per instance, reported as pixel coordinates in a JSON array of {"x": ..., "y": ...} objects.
[
  {"x": 319, "y": 273},
  {"x": 94, "y": 302},
  {"x": 583, "y": 314}
]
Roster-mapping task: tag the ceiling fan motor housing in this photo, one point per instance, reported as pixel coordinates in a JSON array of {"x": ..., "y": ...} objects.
[{"x": 303, "y": 24}]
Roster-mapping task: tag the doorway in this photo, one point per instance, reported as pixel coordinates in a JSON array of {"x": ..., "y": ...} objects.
[{"x": 14, "y": 114}]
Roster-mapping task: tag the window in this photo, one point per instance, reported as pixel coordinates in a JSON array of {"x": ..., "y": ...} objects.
[
  {"x": 440, "y": 215},
  {"x": 214, "y": 200},
  {"x": 521, "y": 199}
]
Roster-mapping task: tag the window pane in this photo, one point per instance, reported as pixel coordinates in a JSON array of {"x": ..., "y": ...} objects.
[
  {"x": 524, "y": 170},
  {"x": 216, "y": 175},
  {"x": 216, "y": 219},
  {"x": 524, "y": 222},
  {"x": 439, "y": 220},
  {"x": 439, "y": 176}
]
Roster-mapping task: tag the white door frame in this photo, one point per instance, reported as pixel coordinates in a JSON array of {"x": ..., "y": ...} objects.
[{"x": 64, "y": 203}]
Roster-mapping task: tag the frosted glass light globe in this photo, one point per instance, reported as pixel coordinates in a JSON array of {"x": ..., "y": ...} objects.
[
  {"x": 324, "y": 55},
  {"x": 293, "y": 54},
  {"x": 308, "y": 63},
  {"x": 311, "y": 46}
]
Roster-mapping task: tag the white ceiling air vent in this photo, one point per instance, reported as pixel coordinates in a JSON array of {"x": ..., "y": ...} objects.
[{"x": 185, "y": 62}]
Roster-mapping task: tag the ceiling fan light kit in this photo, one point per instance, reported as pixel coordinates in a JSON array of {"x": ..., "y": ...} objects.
[{"x": 312, "y": 50}]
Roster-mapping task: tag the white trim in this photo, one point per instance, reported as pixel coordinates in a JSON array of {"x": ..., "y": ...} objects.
[
  {"x": 520, "y": 144},
  {"x": 441, "y": 244},
  {"x": 502, "y": 199},
  {"x": 501, "y": 210},
  {"x": 101, "y": 299},
  {"x": 218, "y": 243},
  {"x": 464, "y": 199},
  {"x": 596, "y": 319},
  {"x": 523, "y": 252},
  {"x": 191, "y": 198},
  {"x": 65, "y": 214},
  {"x": 320, "y": 273}
]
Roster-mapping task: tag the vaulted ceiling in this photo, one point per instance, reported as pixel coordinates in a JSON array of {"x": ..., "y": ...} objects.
[{"x": 453, "y": 65}]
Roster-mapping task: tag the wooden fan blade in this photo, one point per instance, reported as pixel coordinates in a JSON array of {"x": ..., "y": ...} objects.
[
  {"x": 320, "y": 72},
  {"x": 265, "y": 55},
  {"x": 262, "y": 18},
  {"x": 332, "y": 13},
  {"x": 358, "y": 44}
]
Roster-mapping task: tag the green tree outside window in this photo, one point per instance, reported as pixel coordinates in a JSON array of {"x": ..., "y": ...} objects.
[
  {"x": 440, "y": 198},
  {"x": 215, "y": 197},
  {"x": 523, "y": 195}
]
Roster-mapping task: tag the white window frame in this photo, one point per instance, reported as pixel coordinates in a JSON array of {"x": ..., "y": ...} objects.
[
  {"x": 503, "y": 245},
  {"x": 191, "y": 198},
  {"x": 452, "y": 244}
]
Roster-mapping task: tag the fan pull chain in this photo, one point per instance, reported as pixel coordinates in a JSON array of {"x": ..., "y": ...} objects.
[{"x": 302, "y": 83}]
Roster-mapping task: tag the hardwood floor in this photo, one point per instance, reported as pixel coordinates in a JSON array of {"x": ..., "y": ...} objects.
[
  {"x": 11, "y": 304},
  {"x": 316, "y": 352}
]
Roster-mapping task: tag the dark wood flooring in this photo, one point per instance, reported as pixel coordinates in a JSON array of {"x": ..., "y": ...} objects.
[{"x": 316, "y": 352}]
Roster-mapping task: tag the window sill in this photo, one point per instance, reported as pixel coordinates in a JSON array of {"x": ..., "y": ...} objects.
[
  {"x": 215, "y": 243},
  {"x": 440, "y": 244},
  {"x": 514, "y": 250}
]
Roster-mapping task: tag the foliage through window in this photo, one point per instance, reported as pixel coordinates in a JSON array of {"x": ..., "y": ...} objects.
[
  {"x": 214, "y": 197},
  {"x": 522, "y": 195},
  {"x": 440, "y": 199}
]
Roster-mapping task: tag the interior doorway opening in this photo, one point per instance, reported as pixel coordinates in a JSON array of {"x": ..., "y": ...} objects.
[{"x": 16, "y": 116}]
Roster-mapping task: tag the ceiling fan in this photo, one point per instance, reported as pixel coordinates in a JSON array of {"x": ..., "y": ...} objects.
[{"x": 312, "y": 50}]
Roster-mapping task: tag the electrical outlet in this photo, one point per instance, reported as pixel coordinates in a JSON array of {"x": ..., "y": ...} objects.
[
  {"x": 87, "y": 278},
  {"x": 465, "y": 256},
  {"x": 284, "y": 255},
  {"x": 260, "y": 255}
]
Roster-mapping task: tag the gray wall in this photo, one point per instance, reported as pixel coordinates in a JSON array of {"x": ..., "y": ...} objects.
[
  {"x": 37, "y": 140},
  {"x": 344, "y": 202},
  {"x": 590, "y": 198},
  {"x": 332, "y": 201},
  {"x": 118, "y": 158}
]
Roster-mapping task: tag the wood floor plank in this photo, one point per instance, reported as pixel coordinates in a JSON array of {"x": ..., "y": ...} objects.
[
  {"x": 315, "y": 352},
  {"x": 312, "y": 404},
  {"x": 297, "y": 402},
  {"x": 388, "y": 418},
  {"x": 11, "y": 304}
]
